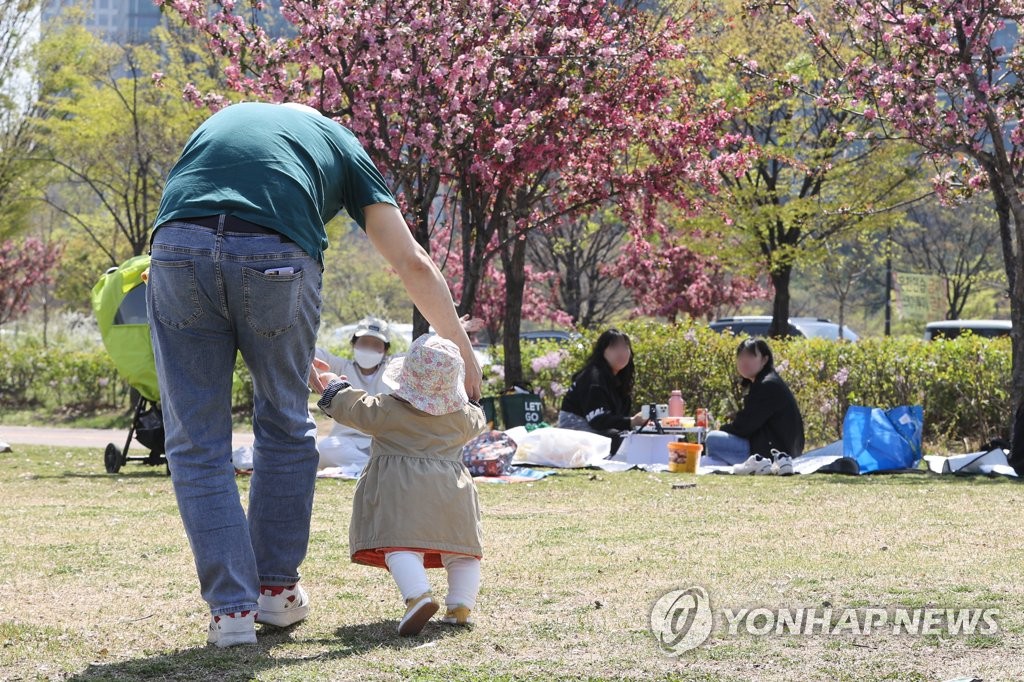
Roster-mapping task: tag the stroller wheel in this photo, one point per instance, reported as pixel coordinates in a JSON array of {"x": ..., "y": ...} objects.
[{"x": 112, "y": 458}]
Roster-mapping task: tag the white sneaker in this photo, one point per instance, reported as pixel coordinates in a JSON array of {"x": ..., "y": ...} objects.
[
  {"x": 282, "y": 606},
  {"x": 755, "y": 464},
  {"x": 232, "y": 629},
  {"x": 783, "y": 464}
]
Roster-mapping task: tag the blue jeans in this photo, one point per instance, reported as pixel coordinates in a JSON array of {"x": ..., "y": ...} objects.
[
  {"x": 209, "y": 297},
  {"x": 725, "y": 448}
]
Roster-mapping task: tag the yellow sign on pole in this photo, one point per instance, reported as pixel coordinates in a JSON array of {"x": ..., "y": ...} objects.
[{"x": 920, "y": 297}]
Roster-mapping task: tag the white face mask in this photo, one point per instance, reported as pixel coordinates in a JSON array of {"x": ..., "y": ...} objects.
[{"x": 368, "y": 359}]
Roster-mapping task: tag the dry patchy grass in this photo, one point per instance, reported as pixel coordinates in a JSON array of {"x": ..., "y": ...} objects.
[{"x": 99, "y": 582}]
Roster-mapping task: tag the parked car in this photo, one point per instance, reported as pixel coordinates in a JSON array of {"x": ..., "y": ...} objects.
[
  {"x": 950, "y": 329},
  {"x": 807, "y": 327},
  {"x": 549, "y": 335},
  {"x": 563, "y": 338}
]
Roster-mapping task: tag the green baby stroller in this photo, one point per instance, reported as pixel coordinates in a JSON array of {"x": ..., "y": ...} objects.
[{"x": 119, "y": 303}]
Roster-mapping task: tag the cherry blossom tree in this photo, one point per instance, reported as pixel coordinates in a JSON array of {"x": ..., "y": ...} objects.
[
  {"x": 24, "y": 264},
  {"x": 675, "y": 280},
  {"x": 539, "y": 298},
  {"x": 943, "y": 74},
  {"x": 497, "y": 117}
]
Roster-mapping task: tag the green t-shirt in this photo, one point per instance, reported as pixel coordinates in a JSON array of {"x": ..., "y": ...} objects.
[{"x": 275, "y": 166}]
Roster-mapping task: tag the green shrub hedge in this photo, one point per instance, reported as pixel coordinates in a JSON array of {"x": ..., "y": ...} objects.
[
  {"x": 963, "y": 384},
  {"x": 69, "y": 379},
  {"x": 75, "y": 380}
]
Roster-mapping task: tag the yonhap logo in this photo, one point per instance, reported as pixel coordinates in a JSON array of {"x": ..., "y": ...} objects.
[{"x": 682, "y": 619}]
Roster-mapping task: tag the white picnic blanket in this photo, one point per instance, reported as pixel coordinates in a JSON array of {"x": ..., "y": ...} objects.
[{"x": 990, "y": 462}]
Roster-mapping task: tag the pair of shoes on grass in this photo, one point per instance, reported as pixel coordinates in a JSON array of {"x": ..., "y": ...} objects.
[
  {"x": 779, "y": 464},
  {"x": 284, "y": 606},
  {"x": 421, "y": 609},
  {"x": 278, "y": 605}
]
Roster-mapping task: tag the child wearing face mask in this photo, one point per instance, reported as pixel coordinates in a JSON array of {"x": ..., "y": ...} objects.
[{"x": 346, "y": 447}]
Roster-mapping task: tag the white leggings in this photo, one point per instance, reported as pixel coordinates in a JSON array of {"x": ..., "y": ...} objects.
[{"x": 410, "y": 575}]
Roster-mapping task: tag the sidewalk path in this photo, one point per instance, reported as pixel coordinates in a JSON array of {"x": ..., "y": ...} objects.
[{"x": 82, "y": 438}]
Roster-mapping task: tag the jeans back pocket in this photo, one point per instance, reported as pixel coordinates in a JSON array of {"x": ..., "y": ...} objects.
[
  {"x": 175, "y": 298},
  {"x": 271, "y": 301}
]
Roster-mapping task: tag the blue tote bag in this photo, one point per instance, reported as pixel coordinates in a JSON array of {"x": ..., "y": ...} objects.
[{"x": 883, "y": 440}]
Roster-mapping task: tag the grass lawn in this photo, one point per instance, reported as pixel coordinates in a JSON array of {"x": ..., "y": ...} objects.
[
  {"x": 99, "y": 583},
  {"x": 101, "y": 419}
]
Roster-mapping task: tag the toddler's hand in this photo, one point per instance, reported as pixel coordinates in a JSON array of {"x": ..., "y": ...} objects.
[{"x": 471, "y": 324}]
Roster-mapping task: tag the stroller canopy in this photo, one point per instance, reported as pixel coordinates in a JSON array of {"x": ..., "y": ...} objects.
[{"x": 119, "y": 303}]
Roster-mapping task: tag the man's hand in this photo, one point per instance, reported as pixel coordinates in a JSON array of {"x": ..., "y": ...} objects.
[
  {"x": 474, "y": 378},
  {"x": 320, "y": 375}
]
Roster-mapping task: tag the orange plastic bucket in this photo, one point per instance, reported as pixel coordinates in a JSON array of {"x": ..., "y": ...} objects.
[{"x": 684, "y": 457}]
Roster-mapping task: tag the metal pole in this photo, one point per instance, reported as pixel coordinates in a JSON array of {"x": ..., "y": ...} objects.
[{"x": 888, "y": 281}]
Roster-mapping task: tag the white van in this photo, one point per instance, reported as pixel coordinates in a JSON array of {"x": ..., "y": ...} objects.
[{"x": 950, "y": 329}]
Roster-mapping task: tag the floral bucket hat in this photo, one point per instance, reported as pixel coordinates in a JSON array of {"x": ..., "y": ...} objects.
[{"x": 431, "y": 376}]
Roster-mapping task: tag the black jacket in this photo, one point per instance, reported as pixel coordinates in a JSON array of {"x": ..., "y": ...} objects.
[
  {"x": 595, "y": 396},
  {"x": 770, "y": 417}
]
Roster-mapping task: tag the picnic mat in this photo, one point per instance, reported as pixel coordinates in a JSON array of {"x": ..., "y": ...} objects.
[
  {"x": 517, "y": 475},
  {"x": 337, "y": 472},
  {"x": 987, "y": 462}
]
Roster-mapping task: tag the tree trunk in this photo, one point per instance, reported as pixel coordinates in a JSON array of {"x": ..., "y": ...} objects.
[
  {"x": 1011, "y": 232},
  {"x": 1017, "y": 336},
  {"x": 780, "y": 304},
  {"x": 842, "y": 316},
  {"x": 480, "y": 216},
  {"x": 421, "y": 233},
  {"x": 513, "y": 262},
  {"x": 1017, "y": 371},
  {"x": 572, "y": 285},
  {"x": 956, "y": 298}
]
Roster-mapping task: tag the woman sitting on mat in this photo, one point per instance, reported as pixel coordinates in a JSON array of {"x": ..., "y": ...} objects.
[
  {"x": 768, "y": 431},
  {"x": 601, "y": 397}
]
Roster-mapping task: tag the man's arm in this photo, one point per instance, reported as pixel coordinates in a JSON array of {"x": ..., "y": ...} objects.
[{"x": 424, "y": 283}]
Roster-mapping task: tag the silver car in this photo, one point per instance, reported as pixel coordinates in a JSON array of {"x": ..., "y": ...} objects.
[{"x": 807, "y": 327}]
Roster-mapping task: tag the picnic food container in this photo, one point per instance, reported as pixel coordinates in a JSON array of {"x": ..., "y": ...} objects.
[
  {"x": 702, "y": 417},
  {"x": 683, "y": 457},
  {"x": 676, "y": 404},
  {"x": 678, "y": 422}
]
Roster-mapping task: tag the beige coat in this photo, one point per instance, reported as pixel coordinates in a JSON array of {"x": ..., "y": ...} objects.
[{"x": 415, "y": 493}]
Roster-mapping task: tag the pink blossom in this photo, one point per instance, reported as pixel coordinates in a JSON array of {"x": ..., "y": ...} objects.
[{"x": 493, "y": 120}]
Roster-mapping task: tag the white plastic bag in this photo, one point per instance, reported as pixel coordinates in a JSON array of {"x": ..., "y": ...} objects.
[
  {"x": 563, "y": 448},
  {"x": 350, "y": 452},
  {"x": 241, "y": 458}
]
